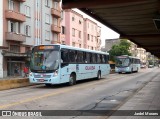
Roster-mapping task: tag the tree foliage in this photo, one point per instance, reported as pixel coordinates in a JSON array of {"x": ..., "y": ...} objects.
[{"x": 120, "y": 49}]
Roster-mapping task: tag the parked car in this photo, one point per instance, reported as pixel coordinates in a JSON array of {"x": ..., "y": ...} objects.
[
  {"x": 143, "y": 65},
  {"x": 150, "y": 66}
]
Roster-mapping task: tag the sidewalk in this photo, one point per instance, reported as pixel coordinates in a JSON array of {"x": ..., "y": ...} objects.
[{"x": 148, "y": 98}]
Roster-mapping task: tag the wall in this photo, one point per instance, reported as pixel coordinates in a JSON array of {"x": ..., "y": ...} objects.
[{"x": 1, "y": 38}]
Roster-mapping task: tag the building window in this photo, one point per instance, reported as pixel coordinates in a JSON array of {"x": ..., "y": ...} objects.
[
  {"x": 73, "y": 18},
  {"x": 47, "y": 35},
  {"x": 79, "y": 34},
  {"x": 91, "y": 38},
  {"x": 63, "y": 42},
  {"x": 97, "y": 40},
  {"x": 47, "y": 3},
  {"x": 11, "y": 4},
  {"x": 55, "y": 5},
  {"x": 73, "y": 43},
  {"x": 73, "y": 32},
  {"x": 63, "y": 30},
  {"x": 92, "y": 48},
  {"x": 55, "y": 21},
  {"x": 80, "y": 22},
  {"x": 13, "y": 27},
  {"x": 27, "y": 11},
  {"x": 80, "y": 45},
  {"x": 15, "y": 48},
  {"x": 27, "y": 49},
  {"x": 55, "y": 37},
  {"x": 47, "y": 18},
  {"x": 62, "y": 15},
  {"x": 88, "y": 37},
  {"x": 28, "y": 30}
]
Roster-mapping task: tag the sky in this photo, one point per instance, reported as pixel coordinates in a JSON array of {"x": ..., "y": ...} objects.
[{"x": 106, "y": 33}]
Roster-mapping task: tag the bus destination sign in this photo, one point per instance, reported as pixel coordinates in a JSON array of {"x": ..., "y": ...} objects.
[{"x": 42, "y": 47}]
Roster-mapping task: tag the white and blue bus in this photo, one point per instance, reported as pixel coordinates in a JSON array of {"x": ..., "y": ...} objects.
[
  {"x": 127, "y": 64},
  {"x": 56, "y": 64}
]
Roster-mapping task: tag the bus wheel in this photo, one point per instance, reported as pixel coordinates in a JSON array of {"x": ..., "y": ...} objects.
[
  {"x": 72, "y": 80},
  {"x": 99, "y": 75}
]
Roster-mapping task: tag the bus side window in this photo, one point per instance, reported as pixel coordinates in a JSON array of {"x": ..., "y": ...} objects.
[
  {"x": 79, "y": 57},
  {"x": 93, "y": 58},
  {"x": 84, "y": 57},
  {"x": 131, "y": 60},
  {"x": 91, "y": 61},
  {"x": 64, "y": 55},
  {"x": 98, "y": 58},
  {"x": 103, "y": 59},
  {"x": 88, "y": 57},
  {"x": 72, "y": 56},
  {"x": 106, "y": 59}
]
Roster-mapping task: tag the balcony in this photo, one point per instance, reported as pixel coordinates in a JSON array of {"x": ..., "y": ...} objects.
[
  {"x": 56, "y": 13},
  {"x": 55, "y": 28},
  {"x": 11, "y": 36},
  {"x": 15, "y": 16}
]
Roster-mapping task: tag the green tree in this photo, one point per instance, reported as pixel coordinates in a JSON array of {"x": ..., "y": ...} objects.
[{"x": 120, "y": 49}]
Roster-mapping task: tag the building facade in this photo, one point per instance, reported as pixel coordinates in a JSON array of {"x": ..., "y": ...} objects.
[
  {"x": 141, "y": 53},
  {"x": 79, "y": 32},
  {"x": 24, "y": 24},
  {"x": 138, "y": 52},
  {"x": 109, "y": 43}
]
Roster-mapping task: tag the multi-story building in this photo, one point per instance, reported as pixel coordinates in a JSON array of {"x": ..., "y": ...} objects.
[
  {"x": 138, "y": 52},
  {"x": 25, "y": 23},
  {"x": 141, "y": 53},
  {"x": 91, "y": 30},
  {"x": 133, "y": 49},
  {"x": 98, "y": 38},
  {"x": 72, "y": 28},
  {"x": 109, "y": 43},
  {"x": 79, "y": 31}
]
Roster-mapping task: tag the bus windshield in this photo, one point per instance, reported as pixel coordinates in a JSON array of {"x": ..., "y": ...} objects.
[
  {"x": 45, "y": 60},
  {"x": 122, "y": 62}
]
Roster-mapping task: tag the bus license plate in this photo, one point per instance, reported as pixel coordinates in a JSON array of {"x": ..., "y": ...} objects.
[
  {"x": 41, "y": 80},
  {"x": 122, "y": 69}
]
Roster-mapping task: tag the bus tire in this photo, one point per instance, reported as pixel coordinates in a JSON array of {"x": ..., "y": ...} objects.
[
  {"x": 99, "y": 75},
  {"x": 72, "y": 79}
]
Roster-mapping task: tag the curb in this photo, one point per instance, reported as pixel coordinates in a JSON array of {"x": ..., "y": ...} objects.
[{"x": 13, "y": 83}]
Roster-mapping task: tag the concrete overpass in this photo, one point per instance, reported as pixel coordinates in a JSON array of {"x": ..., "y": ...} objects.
[{"x": 137, "y": 20}]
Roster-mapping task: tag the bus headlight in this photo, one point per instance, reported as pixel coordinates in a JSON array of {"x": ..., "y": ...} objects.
[{"x": 56, "y": 73}]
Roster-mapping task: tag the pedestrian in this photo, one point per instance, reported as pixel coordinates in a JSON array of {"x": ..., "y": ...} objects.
[
  {"x": 16, "y": 70},
  {"x": 25, "y": 70}
]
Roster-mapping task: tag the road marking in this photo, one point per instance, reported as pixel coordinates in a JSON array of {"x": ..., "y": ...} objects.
[{"x": 55, "y": 93}]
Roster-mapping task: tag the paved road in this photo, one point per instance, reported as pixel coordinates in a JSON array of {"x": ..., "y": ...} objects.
[{"x": 104, "y": 94}]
